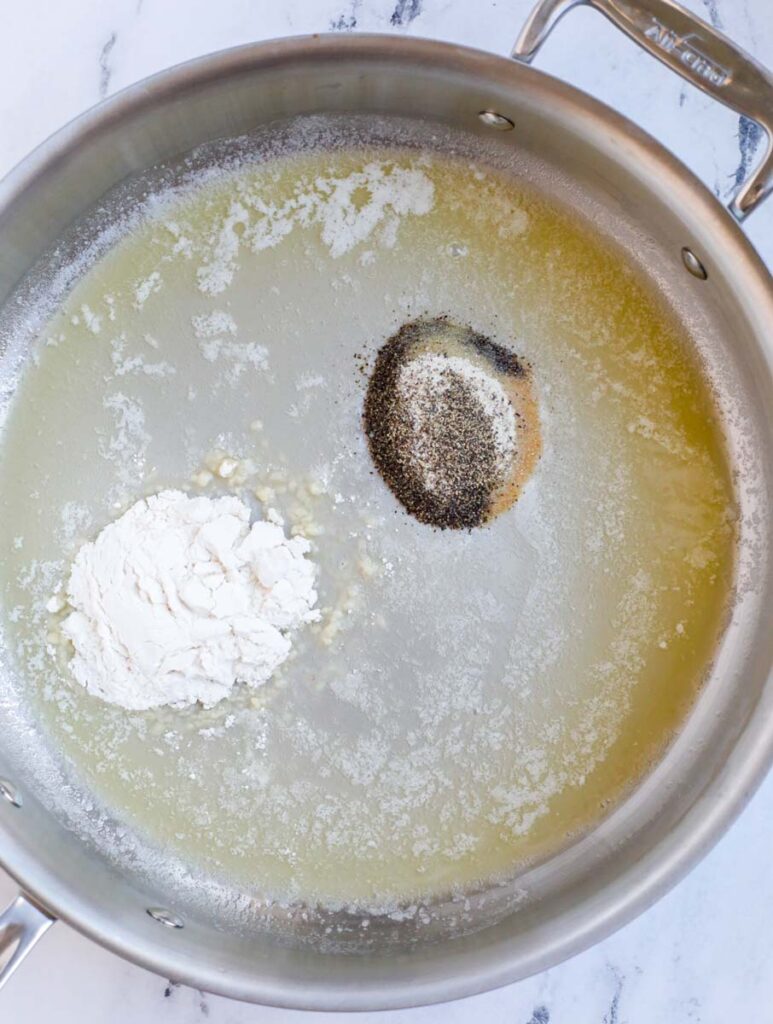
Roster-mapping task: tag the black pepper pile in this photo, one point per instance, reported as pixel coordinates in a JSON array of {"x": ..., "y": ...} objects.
[{"x": 449, "y": 476}]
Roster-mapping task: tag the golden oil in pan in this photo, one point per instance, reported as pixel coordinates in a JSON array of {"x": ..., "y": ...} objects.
[{"x": 470, "y": 698}]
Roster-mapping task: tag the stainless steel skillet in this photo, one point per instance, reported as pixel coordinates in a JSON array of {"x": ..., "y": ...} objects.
[{"x": 727, "y": 744}]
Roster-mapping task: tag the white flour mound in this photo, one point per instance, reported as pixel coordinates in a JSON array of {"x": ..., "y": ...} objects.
[{"x": 181, "y": 598}]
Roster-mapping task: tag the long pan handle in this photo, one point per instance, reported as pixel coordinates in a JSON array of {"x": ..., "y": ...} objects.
[
  {"x": 21, "y": 925},
  {"x": 696, "y": 51}
]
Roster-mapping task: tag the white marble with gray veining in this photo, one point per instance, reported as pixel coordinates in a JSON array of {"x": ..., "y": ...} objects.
[{"x": 703, "y": 954}]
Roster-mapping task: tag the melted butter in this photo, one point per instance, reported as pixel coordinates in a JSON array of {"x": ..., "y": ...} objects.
[{"x": 484, "y": 696}]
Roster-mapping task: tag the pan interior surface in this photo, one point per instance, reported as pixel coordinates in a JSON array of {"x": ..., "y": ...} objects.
[{"x": 471, "y": 702}]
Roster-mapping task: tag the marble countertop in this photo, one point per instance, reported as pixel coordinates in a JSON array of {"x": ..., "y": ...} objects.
[{"x": 703, "y": 954}]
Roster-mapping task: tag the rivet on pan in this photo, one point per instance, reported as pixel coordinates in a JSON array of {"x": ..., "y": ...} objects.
[
  {"x": 493, "y": 120},
  {"x": 693, "y": 264},
  {"x": 10, "y": 792},
  {"x": 165, "y": 917}
]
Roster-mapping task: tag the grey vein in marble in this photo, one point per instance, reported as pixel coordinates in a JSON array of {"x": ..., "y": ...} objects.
[
  {"x": 405, "y": 12},
  {"x": 541, "y": 1015},
  {"x": 612, "y": 1016},
  {"x": 105, "y": 71},
  {"x": 713, "y": 13},
  {"x": 749, "y": 136},
  {"x": 346, "y": 22}
]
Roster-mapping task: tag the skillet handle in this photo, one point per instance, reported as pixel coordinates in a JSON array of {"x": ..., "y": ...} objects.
[
  {"x": 696, "y": 51},
  {"x": 21, "y": 925}
]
